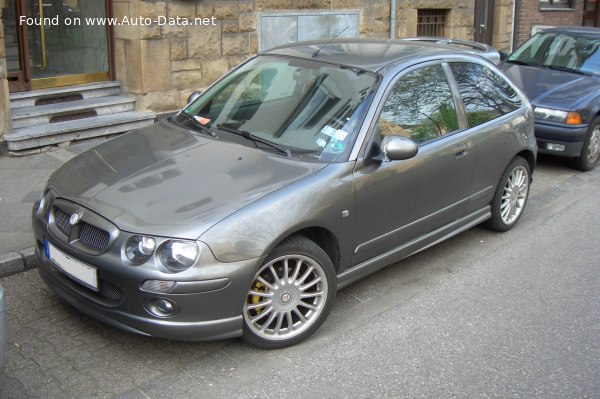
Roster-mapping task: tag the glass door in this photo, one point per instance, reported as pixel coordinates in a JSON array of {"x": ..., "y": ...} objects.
[{"x": 57, "y": 43}]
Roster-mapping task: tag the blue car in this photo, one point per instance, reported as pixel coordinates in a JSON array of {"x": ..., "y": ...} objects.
[{"x": 559, "y": 70}]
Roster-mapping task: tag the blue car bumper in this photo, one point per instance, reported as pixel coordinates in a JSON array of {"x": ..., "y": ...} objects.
[{"x": 571, "y": 138}]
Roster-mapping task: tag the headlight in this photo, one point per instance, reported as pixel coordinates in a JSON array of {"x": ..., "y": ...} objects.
[
  {"x": 139, "y": 249},
  {"x": 178, "y": 255},
  {"x": 554, "y": 115}
]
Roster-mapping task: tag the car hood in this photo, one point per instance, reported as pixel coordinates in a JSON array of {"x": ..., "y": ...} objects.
[
  {"x": 167, "y": 181},
  {"x": 552, "y": 88}
]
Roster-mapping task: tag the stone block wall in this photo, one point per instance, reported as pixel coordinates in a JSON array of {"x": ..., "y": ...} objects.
[{"x": 162, "y": 64}]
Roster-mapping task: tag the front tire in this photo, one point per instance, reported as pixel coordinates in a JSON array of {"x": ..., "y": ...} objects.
[
  {"x": 591, "y": 148},
  {"x": 290, "y": 295},
  {"x": 511, "y": 196}
]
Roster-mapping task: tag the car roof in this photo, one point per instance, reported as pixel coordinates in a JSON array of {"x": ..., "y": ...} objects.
[
  {"x": 583, "y": 31},
  {"x": 371, "y": 54}
]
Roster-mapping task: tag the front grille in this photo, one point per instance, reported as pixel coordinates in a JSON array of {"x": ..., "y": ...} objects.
[
  {"x": 110, "y": 291},
  {"x": 541, "y": 145},
  {"x": 89, "y": 235},
  {"x": 93, "y": 236},
  {"x": 62, "y": 220}
]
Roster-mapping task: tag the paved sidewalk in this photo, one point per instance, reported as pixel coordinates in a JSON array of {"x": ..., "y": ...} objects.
[{"x": 22, "y": 179}]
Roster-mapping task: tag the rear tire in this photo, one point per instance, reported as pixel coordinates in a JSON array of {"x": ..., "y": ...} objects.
[
  {"x": 511, "y": 196},
  {"x": 591, "y": 148}
]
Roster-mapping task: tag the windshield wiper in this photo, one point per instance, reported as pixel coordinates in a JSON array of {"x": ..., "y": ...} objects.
[
  {"x": 254, "y": 138},
  {"x": 567, "y": 69},
  {"x": 519, "y": 62},
  {"x": 201, "y": 127}
]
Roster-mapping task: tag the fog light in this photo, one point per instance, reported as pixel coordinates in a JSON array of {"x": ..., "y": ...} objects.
[
  {"x": 164, "y": 306},
  {"x": 161, "y": 307},
  {"x": 555, "y": 147}
]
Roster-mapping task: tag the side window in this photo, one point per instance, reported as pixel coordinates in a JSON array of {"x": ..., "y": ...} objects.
[
  {"x": 485, "y": 94},
  {"x": 420, "y": 106}
]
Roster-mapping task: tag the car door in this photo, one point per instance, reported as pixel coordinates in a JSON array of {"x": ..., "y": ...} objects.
[{"x": 399, "y": 201}]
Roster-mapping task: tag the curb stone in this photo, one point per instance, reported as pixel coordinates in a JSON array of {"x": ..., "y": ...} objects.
[{"x": 17, "y": 262}]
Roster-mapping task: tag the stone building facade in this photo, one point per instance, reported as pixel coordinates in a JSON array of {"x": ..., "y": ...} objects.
[
  {"x": 169, "y": 48},
  {"x": 161, "y": 64}
]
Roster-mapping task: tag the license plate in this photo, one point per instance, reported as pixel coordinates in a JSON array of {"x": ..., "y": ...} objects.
[{"x": 78, "y": 271}]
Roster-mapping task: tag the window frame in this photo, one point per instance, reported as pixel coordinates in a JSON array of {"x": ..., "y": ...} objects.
[
  {"x": 459, "y": 107},
  {"x": 368, "y": 137},
  {"x": 549, "y": 5}
]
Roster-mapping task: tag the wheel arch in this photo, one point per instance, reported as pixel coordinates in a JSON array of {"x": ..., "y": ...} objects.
[
  {"x": 529, "y": 156},
  {"x": 324, "y": 238}
]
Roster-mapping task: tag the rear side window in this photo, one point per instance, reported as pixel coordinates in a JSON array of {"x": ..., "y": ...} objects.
[{"x": 485, "y": 94}]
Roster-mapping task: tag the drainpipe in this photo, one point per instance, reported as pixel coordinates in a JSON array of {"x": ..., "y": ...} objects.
[
  {"x": 516, "y": 24},
  {"x": 392, "y": 19}
]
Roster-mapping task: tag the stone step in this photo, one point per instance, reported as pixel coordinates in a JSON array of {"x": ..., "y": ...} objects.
[
  {"x": 85, "y": 91},
  {"x": 43, "y": 114},
  {"x": 60, "y": 132}
]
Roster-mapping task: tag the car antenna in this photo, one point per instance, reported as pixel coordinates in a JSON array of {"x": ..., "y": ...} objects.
[{"x": 329, "y": 41}]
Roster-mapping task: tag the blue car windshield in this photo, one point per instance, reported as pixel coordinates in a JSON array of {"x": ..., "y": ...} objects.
[
  {"x": 561, "y": 51},
  {"x": 307, "y": 108}
]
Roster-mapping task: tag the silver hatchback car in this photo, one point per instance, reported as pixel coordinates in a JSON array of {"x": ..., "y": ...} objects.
[{"x": 299, "y": 172}]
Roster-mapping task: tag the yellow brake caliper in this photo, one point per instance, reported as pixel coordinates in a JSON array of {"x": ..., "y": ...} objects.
[{"x": 256, "y": 299}]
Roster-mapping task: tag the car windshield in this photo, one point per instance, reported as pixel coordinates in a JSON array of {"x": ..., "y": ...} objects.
[
  {"x": 301, "y": 108},
  {"x": 561, "y": 51}
]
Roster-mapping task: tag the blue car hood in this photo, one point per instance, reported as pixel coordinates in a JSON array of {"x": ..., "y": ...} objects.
[
  {"x": 167, "y": 181},
  {"x": 552, "y": 88}
]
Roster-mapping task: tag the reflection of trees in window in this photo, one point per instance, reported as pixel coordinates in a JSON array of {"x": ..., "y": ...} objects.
[
  {"x": 484, "y": 93},
  {"x": 420, "y": 106}
]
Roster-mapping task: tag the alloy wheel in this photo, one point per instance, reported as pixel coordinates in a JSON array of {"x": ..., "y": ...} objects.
[
  {"x": 514, "y": 196},
  {"x": 286, "y": 297}
]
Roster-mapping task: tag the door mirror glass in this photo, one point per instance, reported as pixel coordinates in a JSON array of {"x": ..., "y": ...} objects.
[{"x": 397, "y": 148}]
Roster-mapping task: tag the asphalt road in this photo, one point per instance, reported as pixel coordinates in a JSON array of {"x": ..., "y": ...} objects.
[{"x": 482, "y": 315}]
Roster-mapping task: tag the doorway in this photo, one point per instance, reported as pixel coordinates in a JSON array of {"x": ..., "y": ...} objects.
[
  {"x": 483, "y": 25},
  {"x": 51, "y": 43}
]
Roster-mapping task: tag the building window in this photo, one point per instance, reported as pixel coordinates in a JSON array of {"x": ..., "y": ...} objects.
[
  {"x": 431, "y": 22},
  {"x": 556, "y": 4},
  {"x": 283, "y": 28}
]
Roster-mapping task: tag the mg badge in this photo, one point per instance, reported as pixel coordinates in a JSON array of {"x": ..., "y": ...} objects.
[{"x": 74, "y": 219}]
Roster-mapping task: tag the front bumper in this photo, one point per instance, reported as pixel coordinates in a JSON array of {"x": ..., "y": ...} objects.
[
  {"x": 209, "y": 309},
  {"x": 571, "y": 137}
]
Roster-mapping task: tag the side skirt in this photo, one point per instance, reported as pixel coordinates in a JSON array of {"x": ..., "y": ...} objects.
[{"x": 412, "y": 247}]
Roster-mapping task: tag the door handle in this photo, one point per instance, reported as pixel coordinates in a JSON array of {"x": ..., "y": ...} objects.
[
  {"x": 42, "y": 35},
  {"x": 461, "y": 150}
]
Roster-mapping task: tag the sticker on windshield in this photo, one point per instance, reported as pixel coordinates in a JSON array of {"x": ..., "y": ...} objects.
[
  {"x": 335, "y": 147},
  {"x": 340, "y": 135},
  {"x": 201, "y": 120},
  {"x": 328, "y": 130},
  {"x": 321, "y": 143}
]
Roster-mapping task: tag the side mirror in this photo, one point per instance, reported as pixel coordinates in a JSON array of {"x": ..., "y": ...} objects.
[
  {"x": 397, "y": 148},
  {"x": 503, "y": 55},
  {"x": 195, "y": 94}
]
